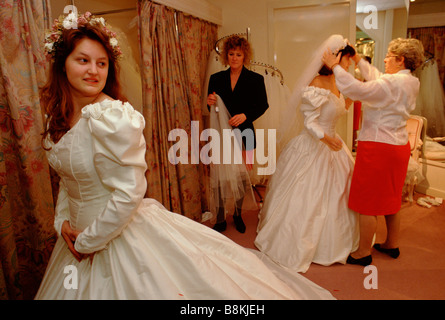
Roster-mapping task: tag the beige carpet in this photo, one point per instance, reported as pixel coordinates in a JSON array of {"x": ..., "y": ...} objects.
[{"x": 418, "y": 273}]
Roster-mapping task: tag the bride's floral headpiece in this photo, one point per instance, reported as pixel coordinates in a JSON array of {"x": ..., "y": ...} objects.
[
  {"x": 340, "y": 45},
  {"x": 53, "y": 38}
]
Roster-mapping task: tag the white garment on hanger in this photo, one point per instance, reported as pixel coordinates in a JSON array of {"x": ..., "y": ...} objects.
[
  {"x": 431, "y": 99},
  {"x": 277, "y": 96}
]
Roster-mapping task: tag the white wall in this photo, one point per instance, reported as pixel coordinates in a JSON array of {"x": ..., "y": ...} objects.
[
  {"x": 238, "y": 15},
  {"x": 426, "y": 14},
  {"x": 294, "y": 44}
]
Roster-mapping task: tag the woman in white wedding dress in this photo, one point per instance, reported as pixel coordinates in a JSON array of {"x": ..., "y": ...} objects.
[
  {"x": 113, "y": 244},
  {"x": 305, "y": 217}
]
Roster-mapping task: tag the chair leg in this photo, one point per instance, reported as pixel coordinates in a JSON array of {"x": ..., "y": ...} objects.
[{"x": 411, "y": 189}]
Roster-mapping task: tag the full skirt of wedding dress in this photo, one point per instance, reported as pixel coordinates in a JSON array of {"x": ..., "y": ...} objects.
[
  {"x": 305, "y": 217},
  {"x": 163, "y": 255}
]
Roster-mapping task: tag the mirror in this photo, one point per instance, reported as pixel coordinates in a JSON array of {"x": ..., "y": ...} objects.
[{"x": 425, "y": 22}]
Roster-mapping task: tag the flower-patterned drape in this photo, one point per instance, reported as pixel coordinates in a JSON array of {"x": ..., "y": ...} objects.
[
  {"x": 174, "y": 62},
  {"x": 26, "y": 204}
]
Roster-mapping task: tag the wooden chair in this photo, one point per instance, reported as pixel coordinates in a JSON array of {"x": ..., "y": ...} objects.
[{"x": 416, "y": 126}]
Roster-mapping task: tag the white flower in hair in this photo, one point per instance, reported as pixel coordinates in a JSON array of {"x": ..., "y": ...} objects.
[
  {"x": 49, "y": 46},
  {"x": 53, "y": 39},
  {"x": 70, "y": 22},
  {"x": 100, "y": 20},
  {"x": 113, "y": 42}
]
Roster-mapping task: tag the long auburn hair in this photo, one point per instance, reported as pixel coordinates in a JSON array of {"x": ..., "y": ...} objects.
[{"x": 55, "y": 96}]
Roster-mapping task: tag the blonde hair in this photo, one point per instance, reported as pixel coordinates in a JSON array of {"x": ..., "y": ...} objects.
[
  {"x": 411, "y": 49},
  {"x": 235, "y": 42}
]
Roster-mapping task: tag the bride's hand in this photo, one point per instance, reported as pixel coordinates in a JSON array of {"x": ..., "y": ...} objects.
[
  {"x": 334, "y": 144},
  {"x": 70, "y": 236}
]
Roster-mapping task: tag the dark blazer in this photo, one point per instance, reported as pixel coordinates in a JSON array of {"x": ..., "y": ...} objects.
[{"x": 248, "y": 97}]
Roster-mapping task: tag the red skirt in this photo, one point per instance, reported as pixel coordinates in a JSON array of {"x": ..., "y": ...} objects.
[{"x": 378, "y": 178}]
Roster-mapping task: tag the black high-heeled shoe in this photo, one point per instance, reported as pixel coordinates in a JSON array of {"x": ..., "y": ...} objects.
[
  {"x": 365, "y": 261},
  {"x": 393, "y": 252}
]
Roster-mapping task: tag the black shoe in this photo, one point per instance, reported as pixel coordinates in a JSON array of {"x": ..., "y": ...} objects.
[
  {"x": 221, "y": 226},
  {"x": 365, "y": 261},
  {"x": 393, "y": 253},
  {"x": 239, "y": 223}
]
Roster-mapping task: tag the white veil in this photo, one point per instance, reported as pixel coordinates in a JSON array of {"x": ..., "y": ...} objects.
[
  {"x": 291, "y": 122},
  {"x": 229, "y": 180}
]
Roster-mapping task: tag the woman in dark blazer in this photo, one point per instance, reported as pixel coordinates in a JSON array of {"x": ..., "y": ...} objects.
[{"x": 244, "y": 95}]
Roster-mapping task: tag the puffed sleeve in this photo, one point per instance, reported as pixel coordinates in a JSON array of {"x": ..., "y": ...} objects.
[
  {"x": 311, "y": 101},
  {"x": 62, "y": 212},
  {"x": 119, "y": 158}
]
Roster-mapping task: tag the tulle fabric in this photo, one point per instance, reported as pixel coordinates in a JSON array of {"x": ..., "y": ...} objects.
[{"x": 229, "y": 178}]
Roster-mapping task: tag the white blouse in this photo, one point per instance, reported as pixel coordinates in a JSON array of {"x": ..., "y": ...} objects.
[{"x": 387, "y": 101}]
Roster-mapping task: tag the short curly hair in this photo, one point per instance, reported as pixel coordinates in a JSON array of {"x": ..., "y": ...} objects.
[
  {"x": 411, "y": 49},
  {"x": 235, "y": 42}
]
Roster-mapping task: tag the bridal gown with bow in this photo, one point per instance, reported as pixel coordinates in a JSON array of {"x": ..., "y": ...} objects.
[
  {"x": 305, "y": 217},
  {"x": 141, "y": 250}
]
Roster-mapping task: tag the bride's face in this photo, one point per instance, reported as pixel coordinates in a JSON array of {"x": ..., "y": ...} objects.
[
  {"x": 87, "y": 68},
  {"x": 345, "y": 62}
]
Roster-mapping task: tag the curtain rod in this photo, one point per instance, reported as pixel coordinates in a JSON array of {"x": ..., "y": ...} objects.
[{"x": 100, "y": 13}]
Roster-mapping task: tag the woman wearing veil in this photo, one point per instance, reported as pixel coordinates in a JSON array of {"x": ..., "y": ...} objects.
[{"x": 305, "y": 217}]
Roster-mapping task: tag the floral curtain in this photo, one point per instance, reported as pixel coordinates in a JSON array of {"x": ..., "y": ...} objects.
[
  {"x": 197, "y": 39},
  {"x": 433, "y": 40},
  {"x": 26, "y": 203},
  {"x": 174, "y": 52}
]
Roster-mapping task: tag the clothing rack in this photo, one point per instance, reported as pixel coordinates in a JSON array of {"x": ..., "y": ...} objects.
[
  {"x": 429, "y": 57},
  {"x": 246, "y": 34},
  {"x": 268, "y": 66},
  {"x": 254, "y": 63}
]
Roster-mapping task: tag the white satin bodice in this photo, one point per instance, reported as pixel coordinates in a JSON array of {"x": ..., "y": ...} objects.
[
  {"x": 321, "y": 110},
  {"x": 101, "y": 164},
  {"x": 87, "y": 196}
]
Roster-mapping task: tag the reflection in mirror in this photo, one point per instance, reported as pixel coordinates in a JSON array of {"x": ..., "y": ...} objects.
[
  {"x": 431, "y": 98},
  {"x": 364, "y": 44}
]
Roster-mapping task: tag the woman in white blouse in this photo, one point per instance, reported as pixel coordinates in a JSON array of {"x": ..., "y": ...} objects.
[{"x": 383, "y": 149}]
